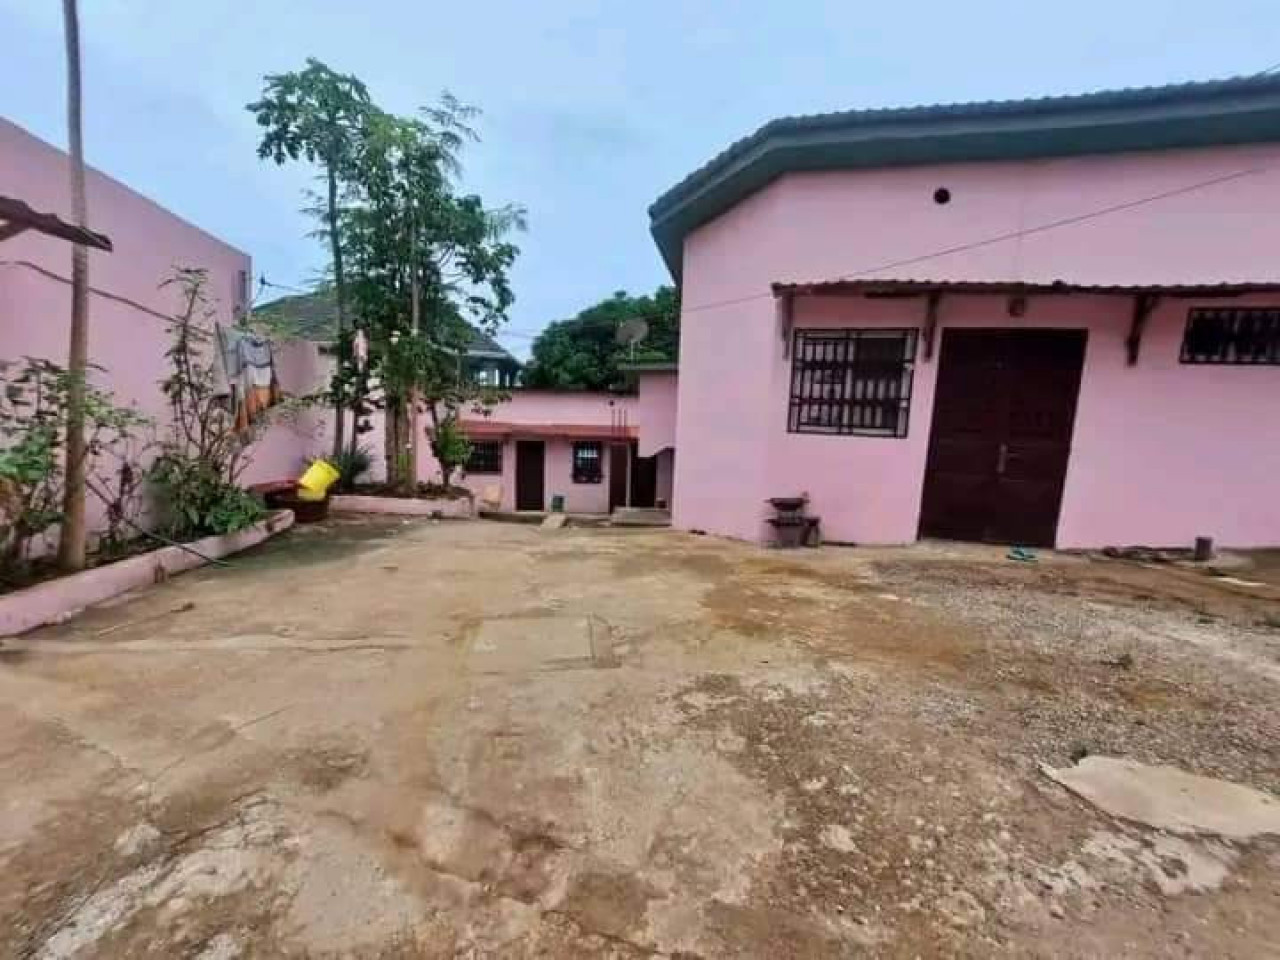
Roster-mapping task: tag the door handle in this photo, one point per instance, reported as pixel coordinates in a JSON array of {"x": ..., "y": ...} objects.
[{"x": 1002, "y": 459}]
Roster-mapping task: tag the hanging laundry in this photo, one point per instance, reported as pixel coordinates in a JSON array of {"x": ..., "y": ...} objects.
[{"x": 248, "y": 363}]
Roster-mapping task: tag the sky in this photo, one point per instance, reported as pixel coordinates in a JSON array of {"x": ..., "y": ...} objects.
[{"x": 590, "y": 109}]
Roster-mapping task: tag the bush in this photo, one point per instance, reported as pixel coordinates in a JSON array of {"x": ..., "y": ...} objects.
[
  {"x": 451, "y": 448},
  {"x": 198, "y": 501},
  {"x": 352, "y": 464},
  {"x": 196, "y": 473},
  {"x": 33, "y": 421}
]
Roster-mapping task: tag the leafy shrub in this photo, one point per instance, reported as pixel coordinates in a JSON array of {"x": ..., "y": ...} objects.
[
  {"x": 198, "y": 500},
  {"x": 33, "y": 419},
  {"x": 352, "y": 464},
  {"x": 451, "y": 447},
  {"x": 196, "y": 473}
]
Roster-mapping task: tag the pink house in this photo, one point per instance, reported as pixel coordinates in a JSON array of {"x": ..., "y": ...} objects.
[
  {"x": 128, "y": 307},
  {"x": 1048, "y": 322}
]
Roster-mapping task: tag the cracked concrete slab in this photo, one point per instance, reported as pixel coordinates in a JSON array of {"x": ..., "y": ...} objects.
[
  {"x": 475, "y": 740},
  {"x": 1167, "y": 798},
  {"x": 524, "y": 644}
]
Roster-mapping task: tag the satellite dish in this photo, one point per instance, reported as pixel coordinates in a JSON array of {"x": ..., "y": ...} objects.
[{"x": 631, "y": 332}]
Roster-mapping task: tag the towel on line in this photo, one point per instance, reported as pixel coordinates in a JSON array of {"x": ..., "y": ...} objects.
[{"x": 249, "y": 368}]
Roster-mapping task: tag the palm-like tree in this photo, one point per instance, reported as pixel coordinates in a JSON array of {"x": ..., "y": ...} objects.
[{"x": 71, "y": 545}]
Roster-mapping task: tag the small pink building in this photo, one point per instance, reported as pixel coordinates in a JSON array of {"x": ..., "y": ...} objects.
[
  {"x": 1049, "y": 322},
  {"x": 579, "y": 449}
]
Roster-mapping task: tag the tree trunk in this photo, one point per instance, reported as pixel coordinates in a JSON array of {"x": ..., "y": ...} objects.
[
  {"x": 73, "y": 536},
  {"x": 340, "y": 295},
  {"x": 389, "y": 441},
  {"x": 396, "y": 434}
]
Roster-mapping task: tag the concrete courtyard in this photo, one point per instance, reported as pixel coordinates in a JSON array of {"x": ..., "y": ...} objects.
[{"x": 411, "y": 739}]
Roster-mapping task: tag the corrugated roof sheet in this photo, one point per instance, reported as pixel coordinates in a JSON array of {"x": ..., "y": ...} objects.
[{"x": 905, "y": 287}]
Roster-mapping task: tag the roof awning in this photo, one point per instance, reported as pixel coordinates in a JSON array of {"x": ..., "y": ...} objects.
[
  {"x": 914, "y": 288},
  {"x": 495, "y": 430},
  {"x": 1145, "y": 296},
  {"x": 16, "y": 217},
  {"x": 649, "y": 366}
]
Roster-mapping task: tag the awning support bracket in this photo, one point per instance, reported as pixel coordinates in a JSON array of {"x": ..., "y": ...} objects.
[
  {"x": 932, "y": 302},
  {"x": 784, "y": 304},
  {"x": 1144, "y": 304}
]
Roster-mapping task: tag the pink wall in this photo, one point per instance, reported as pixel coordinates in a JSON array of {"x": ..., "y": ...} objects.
[
  {"x": 1162, "y": 452},
  {"x": 657, "y": 412},
  {"x": 127, "y": 307},
  {"x": 564, "y": 406}
]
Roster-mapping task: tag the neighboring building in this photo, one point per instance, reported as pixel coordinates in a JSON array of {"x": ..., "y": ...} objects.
[
  {"x": 128, "y": 306},
  {"x": 1051, "y": 322},
  {"x": 579, "y": 448},
  {"x": 314, "y": 316},
  {"x": 576, "y": 447}
]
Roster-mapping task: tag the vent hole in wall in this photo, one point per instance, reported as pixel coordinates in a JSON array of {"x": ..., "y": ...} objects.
[{"x": 942, "y": 196}]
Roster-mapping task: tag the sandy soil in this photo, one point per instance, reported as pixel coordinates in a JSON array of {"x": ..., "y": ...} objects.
[{"x": 473, "y": 739}]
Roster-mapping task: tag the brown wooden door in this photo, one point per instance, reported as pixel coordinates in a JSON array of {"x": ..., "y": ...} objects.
[
  {"x": 644, "y": 480},
  {"x": 1003, "y": 413},
  {"x": 617, "y": 476},
  {"x": 531, "y": 458}
]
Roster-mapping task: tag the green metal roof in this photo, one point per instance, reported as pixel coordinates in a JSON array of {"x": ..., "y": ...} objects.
[
  {"x": 1240, "y": 110},
  {"x": 314, "y": 316}
]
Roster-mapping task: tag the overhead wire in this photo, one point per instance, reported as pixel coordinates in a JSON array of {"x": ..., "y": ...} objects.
[
  {"x": 945, "y": 251},
  {"x": 997, "y": 238}
]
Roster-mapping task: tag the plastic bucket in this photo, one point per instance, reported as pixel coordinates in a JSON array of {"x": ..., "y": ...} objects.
[{"x": 315, "y": 483}]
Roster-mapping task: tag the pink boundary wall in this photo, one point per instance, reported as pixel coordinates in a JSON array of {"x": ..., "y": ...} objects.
[
  {"x": 458, "y": 508},
  {"x": 1162, "y": 452},
  {"x": 128, "y": 308}
]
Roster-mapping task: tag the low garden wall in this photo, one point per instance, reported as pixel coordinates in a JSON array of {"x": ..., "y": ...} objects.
[
  {"x": 56, "y": 600},
  {"x": 444, "y": 508}
]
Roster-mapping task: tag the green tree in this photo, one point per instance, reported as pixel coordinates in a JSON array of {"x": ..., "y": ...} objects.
[
  {"x": 583, "y": 352},
  {"x": 318, "y": 115},
  {"x": 424, "y": 262}
]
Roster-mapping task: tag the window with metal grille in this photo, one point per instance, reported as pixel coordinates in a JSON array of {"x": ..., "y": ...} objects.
[
  {"x": 1244, "y": 335},
  {"x": 852, "y": 382},
  {"x": 486, "y": 457},
  {"x": 588, "y": 462}
]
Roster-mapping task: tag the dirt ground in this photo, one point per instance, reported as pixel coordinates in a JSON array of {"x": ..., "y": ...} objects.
[{"x": 477, "y": 739}]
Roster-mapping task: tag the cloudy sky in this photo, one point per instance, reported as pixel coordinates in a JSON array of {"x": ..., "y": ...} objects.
[{"x": 591, "y": 109}]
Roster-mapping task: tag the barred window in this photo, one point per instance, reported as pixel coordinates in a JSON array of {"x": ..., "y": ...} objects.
[
  {"x": 588, "y": 458},
  {"x": 1243, "y": 335},
  {"x": 852, "y": 382},
  {"x": 486, "y": 457}
]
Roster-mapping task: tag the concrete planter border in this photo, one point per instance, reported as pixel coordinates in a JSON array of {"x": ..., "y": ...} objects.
[
  {"x": 57, "y": 600},
  {"x": 456, "y": 508}
]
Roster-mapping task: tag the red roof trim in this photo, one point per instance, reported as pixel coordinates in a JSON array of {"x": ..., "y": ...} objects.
[{"x": 493, "y": 430}]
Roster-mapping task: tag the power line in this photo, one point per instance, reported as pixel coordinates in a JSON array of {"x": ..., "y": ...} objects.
[
  {"x": 264, "y": 282},
  {"x": 946, "y": 251},
  {"x": 1056, "y": 224},
  {"x": 999, "y": 238}
]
